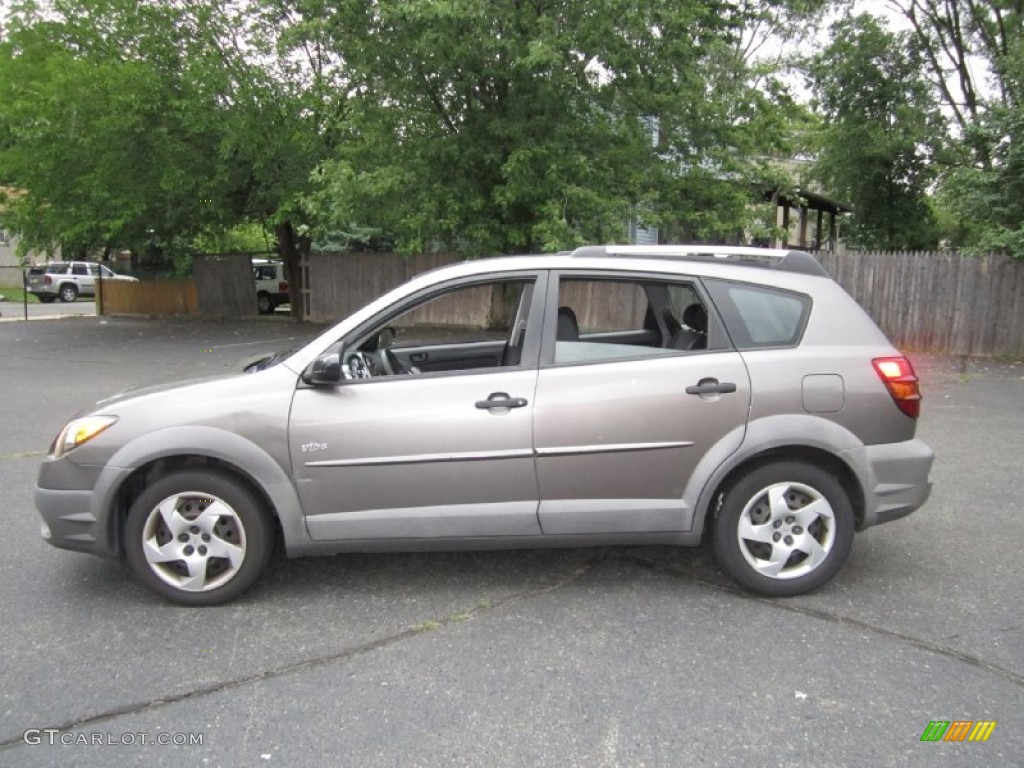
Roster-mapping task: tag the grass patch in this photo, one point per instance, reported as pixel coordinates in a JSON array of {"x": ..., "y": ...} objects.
[
  {"x": 427, "y": 626},
  {"x": 16, "y": 294}
]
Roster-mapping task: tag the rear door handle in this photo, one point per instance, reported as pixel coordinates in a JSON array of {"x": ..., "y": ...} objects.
[
  {"x": 501, "y": 400},
  {"x": 711, "y": 387}
]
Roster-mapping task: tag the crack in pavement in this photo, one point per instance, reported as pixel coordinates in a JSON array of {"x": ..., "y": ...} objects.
[
  {"x": 21, "y": 455},
  {"x": 322, "y": 661},
  {"x": 833, "y": 618},
  {"x": 487, "y": 605}
]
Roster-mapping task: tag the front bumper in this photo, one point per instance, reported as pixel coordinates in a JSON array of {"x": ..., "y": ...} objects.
[
  {"x": 74, "y": 501},
  {"x": 897, "y": 480},
  {"x": 69, "y": 522}
]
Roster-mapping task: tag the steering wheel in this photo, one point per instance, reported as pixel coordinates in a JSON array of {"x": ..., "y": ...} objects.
[{"x": 359, "y": 367}]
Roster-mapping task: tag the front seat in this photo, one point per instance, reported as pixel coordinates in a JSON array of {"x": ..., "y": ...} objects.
[
  {"x": 693, "y": 334},
  {"x": 568, "y": 328}
]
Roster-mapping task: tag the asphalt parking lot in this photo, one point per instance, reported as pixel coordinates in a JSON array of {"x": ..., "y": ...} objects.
[{"x": 611, "y": 657}]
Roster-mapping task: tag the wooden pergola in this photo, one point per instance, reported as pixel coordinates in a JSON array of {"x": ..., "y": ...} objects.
[{"x": 817, "y": 217}]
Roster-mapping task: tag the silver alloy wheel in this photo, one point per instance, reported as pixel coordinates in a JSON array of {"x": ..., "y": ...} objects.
[
  {"x": 786, "y": 530},
  {"x": 194, "y": 541}
]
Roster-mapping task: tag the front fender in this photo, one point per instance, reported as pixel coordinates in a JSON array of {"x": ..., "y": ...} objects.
[{"x": 232, "y": 449}]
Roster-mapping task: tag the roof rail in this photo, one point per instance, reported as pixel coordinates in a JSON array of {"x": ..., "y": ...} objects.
[{"x": 748, "y": 256}]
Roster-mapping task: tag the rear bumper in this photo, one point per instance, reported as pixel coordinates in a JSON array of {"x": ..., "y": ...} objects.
[{"x": 897, "y": 480}]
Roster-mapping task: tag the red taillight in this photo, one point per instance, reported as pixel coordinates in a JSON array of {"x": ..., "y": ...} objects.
[
  {"x": 898, "y": 375},
  {"x": 282, "y": 287},
  {"x": 47, "y": 279}
]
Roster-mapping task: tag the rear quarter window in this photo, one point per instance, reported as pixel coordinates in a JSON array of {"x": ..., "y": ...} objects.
[{"x": 757, "y": 316}]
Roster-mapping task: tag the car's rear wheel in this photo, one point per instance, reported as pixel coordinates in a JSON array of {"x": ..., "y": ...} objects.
[
  {"x": 198, "y": 537},
  {"x": 264, "y": 303},
  {"x": 68, "y": 292},
  {"x": 784, "y": 529}
]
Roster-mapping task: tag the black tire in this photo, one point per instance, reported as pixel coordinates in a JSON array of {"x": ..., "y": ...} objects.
[
  {"x": 790, "y": 546},
  {"x": 68, "y": 292},
  {"x": 46, "y": 298},
  {"x": 264, "y": 303},
  {"x": 228, "y": 549}
]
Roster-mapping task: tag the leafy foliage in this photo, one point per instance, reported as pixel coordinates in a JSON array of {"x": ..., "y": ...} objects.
[
  {"x": 140, "y": 123},
  {"x": 880, "y": 131},
  {"x": 460, "y": 124},
  {"x": 973, "y": 53},
  {"x": 984, "y": 203},
  {"x": 515, "y": 127}
]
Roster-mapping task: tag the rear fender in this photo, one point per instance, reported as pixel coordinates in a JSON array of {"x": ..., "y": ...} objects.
[{"x": 772, "y": 433}]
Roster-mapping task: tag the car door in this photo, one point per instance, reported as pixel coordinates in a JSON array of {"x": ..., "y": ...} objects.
[
  {"x": 620, "y": 428},
  {"x": 406, "y": 454},
  {"x": 84, "y": 277}
]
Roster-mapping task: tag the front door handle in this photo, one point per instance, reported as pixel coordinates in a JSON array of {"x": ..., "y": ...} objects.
[
  {"x": 501, "y": 400},
  {"x": 711, "y": 387}
]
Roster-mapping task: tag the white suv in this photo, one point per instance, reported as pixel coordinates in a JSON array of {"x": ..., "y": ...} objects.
[
  {"x": 68, "y": 279},
  {"x": 271, "y": 287}
]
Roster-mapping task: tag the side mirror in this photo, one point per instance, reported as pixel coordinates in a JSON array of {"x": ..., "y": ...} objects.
[{"x": 325, "y": 371}]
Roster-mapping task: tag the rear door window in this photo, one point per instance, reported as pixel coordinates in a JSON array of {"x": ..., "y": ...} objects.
[{"x": 601, "y": 318}]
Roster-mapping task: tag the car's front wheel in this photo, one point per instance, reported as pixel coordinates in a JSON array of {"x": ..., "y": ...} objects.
[
  {"x": 198, "y": 537},
  {"x": 68, "y": 292},
  {"x": 784, "y": 529}
]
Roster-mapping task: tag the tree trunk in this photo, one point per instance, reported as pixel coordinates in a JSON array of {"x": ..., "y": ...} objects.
[{"x": 292, "y": 247}]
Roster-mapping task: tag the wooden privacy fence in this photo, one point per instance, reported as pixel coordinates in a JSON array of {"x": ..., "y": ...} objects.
[
  {"x": 938, "y": 302},
  {"x": 222, "y": 287},
  {"x": 340, "y": 283},
  {"x": 225, "y": 285},
  {"x": 158, "y": 298}
]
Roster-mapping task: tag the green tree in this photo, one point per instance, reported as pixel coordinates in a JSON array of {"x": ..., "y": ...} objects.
[
  {"x": 146, "y": 124},
  {"x": 462, "y": 124},
  {"x": 973, "y": 53},
  {"x": 879, "y": 132},
  {"x": 511, "y": 127}
]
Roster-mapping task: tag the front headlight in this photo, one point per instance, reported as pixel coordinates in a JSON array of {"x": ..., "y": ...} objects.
[{"x": 79, "y": 431}]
